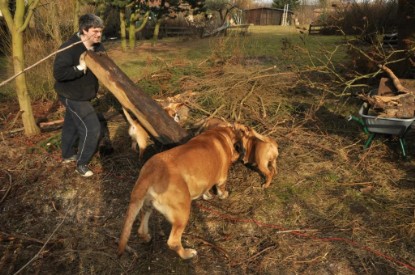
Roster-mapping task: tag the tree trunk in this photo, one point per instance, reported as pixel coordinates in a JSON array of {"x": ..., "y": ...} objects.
[
  {"x": 406, "y": 24},
  {"x": 23, "y": 97},
  {"x": 76, "y": 8},
  {"x": 56, "y": 32},
  {"x": 156, "y": 32},
  {"x": 123, "y": 32},
  {"x": 406, "y": 32},
  {"x": 131, "y": 32},
  {"x": 16, "y": 26},
  {"x": 143, "y": 22},
  {"x": 148, "y": 112}
]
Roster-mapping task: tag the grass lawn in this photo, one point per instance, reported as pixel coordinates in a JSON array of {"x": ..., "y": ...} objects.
[{"x": 282, "y": 46}]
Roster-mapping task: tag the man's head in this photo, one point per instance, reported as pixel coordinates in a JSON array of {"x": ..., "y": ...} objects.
[
  {"x": 91, "y": 26},
  {"x": 88, "y": 21}
]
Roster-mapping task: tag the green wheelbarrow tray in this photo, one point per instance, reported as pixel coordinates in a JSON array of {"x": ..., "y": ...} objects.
[{"x": 373, "y": 125}]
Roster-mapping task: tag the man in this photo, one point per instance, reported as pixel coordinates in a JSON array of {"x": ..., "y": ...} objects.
[{"x": 76, "y": 87}]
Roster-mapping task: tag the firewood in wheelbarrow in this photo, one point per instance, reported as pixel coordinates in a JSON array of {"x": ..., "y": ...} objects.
[{"x": 400, "y": 104}]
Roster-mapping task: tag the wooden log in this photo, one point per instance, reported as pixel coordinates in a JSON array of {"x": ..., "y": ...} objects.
[
  {"x": 147, "y": 111},
  {"x": 396, "y": 82}
]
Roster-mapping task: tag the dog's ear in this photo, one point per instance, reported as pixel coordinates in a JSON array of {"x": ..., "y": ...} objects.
[
  {"x": 242, "y": 129},
  {"x": 239, "y": 147}
]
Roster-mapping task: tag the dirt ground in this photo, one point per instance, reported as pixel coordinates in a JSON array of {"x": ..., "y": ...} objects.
[{"x": 333, "y": 208}]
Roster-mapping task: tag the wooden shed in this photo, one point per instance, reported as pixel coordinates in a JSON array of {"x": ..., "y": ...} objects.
[{"x": 266, "y": 16}]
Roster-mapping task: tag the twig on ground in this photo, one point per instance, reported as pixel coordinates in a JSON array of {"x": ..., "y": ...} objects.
[
  {"x": 8, "y": 188},
  {"x": 323, "y": 257},
  {"x": 210, "y": 244},
  {"x": 307, "y": 142},
  {"x": 366, "y": 153},
  {"x": 244, "y": 99},
  {"x": 15, "y": 130},
  {"x": 264, "y": 111},
  {"x": 19, "y": 113},
  {"x": 253, "y": 256},
  {"x": 44, "y": 245},
  {"x": 128, "y": 248},
  {"x": 198, "y": 108},
  {"x": 356, "y": 183},
  {"x": 11, "y": 237}
]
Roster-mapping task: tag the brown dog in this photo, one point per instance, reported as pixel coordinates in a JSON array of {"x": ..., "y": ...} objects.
[
  {"x": 261, "y": 151},
  {"x": 170, "y": 180}
]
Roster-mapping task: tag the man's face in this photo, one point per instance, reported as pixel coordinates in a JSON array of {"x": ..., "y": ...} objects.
[{"x": 94, "y": 35}]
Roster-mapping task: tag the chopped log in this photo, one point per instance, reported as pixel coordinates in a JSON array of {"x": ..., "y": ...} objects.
[
  {"x": 147, "y": 111},
  {"x": 51, "y": 125}
]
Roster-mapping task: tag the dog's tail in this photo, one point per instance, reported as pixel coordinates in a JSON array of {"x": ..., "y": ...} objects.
[
  {"x": 262, "y": 137},
  {"x": 136, "y": 203},
  {"x": 139, "y": 135},
  {"x": 128, "y": 116}
]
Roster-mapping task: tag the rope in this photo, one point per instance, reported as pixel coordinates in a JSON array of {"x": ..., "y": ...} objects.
[{"x": 300, "y": 233}]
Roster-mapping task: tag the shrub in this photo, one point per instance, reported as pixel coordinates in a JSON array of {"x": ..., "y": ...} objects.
[{"x": 365, "y": 19}]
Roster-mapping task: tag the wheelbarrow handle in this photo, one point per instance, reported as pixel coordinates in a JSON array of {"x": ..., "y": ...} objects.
[{"x": 360, "y": 121}]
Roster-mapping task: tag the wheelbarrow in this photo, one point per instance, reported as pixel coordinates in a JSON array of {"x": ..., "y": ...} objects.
[{"x": 373, "y": 125}]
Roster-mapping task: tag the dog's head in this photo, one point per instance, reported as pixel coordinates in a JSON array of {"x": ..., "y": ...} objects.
[
  {"x": 214, "y": 122},
  {"x": 242, "y": 135}
]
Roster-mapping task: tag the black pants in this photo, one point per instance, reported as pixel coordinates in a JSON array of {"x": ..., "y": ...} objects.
[{"x": 82, "y": 125}]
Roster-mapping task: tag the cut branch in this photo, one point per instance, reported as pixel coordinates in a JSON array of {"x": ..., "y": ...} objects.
[{"x": 395, "y": 79}]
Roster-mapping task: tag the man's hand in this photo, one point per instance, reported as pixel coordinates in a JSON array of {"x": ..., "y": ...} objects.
[{"x": 82, "y": 64}]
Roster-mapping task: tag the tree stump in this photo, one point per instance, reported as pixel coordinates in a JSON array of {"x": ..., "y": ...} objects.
[{"x": 147, "y": 111}]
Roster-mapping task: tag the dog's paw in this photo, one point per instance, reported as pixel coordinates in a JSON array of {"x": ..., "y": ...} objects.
[
  {"x": 188, "y": 253},
  {"x": 207, "y": 196},
  {"x": 146, "y": 237},
  {"x": 223, "y": 195}
]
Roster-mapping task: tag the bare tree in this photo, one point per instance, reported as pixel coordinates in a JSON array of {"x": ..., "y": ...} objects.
[
  {"x": 17, "y": 23},
  {"x": 406, "y": 29}
]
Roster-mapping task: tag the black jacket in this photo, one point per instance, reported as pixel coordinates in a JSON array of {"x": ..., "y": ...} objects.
[{"x": 71, "y": 82}]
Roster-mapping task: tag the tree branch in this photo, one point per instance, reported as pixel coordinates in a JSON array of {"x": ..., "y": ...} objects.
[{"x": 29, "y": 15}]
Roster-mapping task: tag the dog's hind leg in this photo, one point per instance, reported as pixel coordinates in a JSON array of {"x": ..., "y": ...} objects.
[
  {"x": 207, "y": 195},
  {"x": 143, "y": 230},
  {"x": 221, "y": 188},
  {"x": 273, "y": 171},
  {"x": 268, "y": 173},
  {"x": 175, "y": 239},
  {"x": 178, "y": 214}
]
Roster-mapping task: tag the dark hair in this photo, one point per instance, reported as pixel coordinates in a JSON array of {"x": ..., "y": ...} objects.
[{"x": 88, "y": 21}]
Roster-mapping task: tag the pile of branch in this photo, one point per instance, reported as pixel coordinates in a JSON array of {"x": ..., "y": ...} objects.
[{"x": 396, "y": 101}]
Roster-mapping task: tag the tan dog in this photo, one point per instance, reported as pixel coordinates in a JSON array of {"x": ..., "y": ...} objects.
[
  {"x": 261, "y": 151},
  {"x": 138, "y": 134},
  {"x": 170, "y": 180}
]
